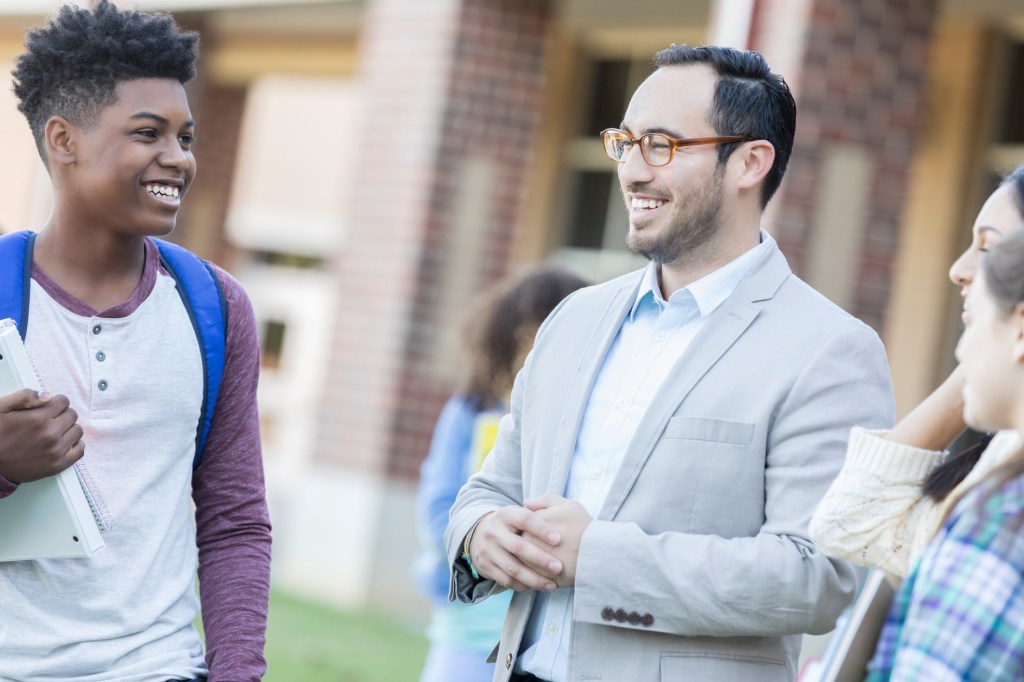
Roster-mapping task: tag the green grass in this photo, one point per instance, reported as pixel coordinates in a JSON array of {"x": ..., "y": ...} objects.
[{"x": 309, "y": 642}]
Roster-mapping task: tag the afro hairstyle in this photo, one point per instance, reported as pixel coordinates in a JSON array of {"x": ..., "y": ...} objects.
[{"x": 72, "y": 66}]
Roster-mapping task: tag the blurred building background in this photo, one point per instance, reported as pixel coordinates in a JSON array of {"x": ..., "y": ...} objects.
[{"x": 367, "y": 166}]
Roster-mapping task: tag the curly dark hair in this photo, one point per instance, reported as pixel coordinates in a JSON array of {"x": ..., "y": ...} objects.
[
  {"x": 72, "y": 66},
  {"x": 500, "y": 330}
]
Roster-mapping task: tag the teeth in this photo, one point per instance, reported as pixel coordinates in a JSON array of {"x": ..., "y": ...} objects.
[
  {"x": 648, "y": 203},
  {"x": 163, "y": 190}
]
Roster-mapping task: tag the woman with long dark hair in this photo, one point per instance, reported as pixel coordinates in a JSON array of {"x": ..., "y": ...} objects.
[{"x": 896, "y": 486}]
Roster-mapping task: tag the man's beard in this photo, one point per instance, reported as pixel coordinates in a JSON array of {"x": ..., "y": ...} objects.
[{"x": 691, "y": 229}]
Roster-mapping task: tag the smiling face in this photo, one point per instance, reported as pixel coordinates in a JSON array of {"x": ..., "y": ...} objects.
[
  {"x": 133, "y": 165},
  {"x": 674, "y": 209},
  {"x": 989, "y": 352},
  {"x": 998, "y": 219}
]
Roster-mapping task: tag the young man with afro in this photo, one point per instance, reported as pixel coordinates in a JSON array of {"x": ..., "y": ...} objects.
[{"x": 103, "y": 93}]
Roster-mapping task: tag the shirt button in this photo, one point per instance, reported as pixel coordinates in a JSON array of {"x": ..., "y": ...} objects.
[
  {"x": 659, "y": 337},
  {"x": 620, "y": 404},
  {"x": 96, "y": 329},
  {"x": 102, "y": 385},
  {"x": 595, "y": 475},
  {"x": 552, "y": 629},
  {"x": 101, "y": 356}
]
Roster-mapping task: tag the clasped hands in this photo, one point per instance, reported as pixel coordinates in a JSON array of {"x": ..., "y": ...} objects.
[{"x": 533, "y": 547}]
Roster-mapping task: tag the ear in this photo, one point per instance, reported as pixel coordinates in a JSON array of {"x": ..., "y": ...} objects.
[
  {"x": 59, "y": 141},
  {"x": 753, "y": 161}
]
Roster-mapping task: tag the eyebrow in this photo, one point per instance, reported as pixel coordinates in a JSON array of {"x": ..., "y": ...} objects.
[
  {"x": 988, "y": 228},
  {"x": 159, "y": 119},
  {"x": 663, "y": 131}
]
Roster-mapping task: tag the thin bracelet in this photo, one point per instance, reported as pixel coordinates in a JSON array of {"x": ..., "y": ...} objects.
[{"x": 465, "y": 548}]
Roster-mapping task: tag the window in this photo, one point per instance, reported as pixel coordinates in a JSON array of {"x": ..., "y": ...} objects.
[
  {"x": 1007, "y": 147},
  {"x": 578, "y": 202},
  {"x": 271, "y": 344},
  {"x": 1012, "y": 129},
  {"x": 595, "y": 218}
]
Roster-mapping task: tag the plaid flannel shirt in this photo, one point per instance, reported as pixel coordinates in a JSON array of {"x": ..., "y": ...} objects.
[{"x": 960, "y": 613}]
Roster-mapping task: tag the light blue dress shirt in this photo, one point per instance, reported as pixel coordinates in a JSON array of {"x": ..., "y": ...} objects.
[{"x": 652, "y": 338}]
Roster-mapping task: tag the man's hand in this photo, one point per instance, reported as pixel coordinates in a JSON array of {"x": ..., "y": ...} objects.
[
  {"x": 569, "y": 519},
  {"x": 501, "y": 551},
  {"x": 39, "y": 436}
]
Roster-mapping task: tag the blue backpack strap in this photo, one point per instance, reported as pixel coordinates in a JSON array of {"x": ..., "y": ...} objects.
[
  {"x": 203, "y": 297},
  {"x": 16, "y": 276}
]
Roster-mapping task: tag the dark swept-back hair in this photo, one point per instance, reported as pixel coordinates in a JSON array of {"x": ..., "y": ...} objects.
[
  {"x": 999, "y": 270},
  {"x": 72, "y": 66},
  {"x": 500, "y": 330},
  {"x": 749, "y": 100}
]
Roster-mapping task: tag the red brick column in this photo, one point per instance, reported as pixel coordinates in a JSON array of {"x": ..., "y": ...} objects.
[
  {"x": 444, "y": 81},
  {"x": 217, "y": 109},
  {"x": 859, "y": 80}
]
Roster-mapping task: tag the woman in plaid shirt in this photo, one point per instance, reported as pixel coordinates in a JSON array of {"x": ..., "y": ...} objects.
[{"x": 960, "y": 613}]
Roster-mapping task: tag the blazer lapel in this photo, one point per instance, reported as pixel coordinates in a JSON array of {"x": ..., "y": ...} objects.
[
  {"x": 720, "y": 332},
  {"x": 598, "y": 344}
]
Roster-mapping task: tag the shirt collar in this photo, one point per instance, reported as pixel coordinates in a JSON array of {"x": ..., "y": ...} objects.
[{"x": 711, "y": 290}]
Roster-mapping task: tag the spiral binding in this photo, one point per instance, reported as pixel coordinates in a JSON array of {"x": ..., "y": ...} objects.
[{"x": 104, "y": 521}]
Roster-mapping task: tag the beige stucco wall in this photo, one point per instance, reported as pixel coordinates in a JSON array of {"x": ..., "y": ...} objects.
[{"x": 943, "y": 176}]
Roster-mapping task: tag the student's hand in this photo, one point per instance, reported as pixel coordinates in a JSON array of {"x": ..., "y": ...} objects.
[
  {"x": 39, "y": 436},
  {"x": 569, "y": 519},
  {"x": 501, "y": 551}
]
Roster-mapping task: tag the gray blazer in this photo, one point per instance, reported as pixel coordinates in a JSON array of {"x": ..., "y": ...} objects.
[{"x": 698, "y": 566}]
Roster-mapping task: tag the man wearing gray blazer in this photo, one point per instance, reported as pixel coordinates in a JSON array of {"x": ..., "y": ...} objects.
[{"x": 673, "y": 430}]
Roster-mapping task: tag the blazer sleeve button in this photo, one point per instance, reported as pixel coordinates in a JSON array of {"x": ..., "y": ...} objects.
[
  {"x": 647, "y": 620},
  {"x": 620, "y": 616},
  {"x": 508, "y": 661},
  {"x": 633, "y": 618},
  {"x": 607, "y": 613}
]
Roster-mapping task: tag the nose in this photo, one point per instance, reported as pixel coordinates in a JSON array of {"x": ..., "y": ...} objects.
[
  {"x": 634, "y": 169},
  {"x": 173, "y": 155},
  {"x": 963, "y": 268}
]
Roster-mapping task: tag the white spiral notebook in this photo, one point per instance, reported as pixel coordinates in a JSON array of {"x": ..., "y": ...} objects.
[{"x": 55, "y": 517}]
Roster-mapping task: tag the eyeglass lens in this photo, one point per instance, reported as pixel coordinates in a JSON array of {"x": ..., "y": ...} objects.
[{"x": 656, "y": 148}]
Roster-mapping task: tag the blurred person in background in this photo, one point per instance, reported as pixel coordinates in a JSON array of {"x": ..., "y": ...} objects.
[
  {"x": 673, "y": 429},
  {"x": 497, "y": 336},
  {"x": 959, "y": 615},
  {"x": 895, "y": 486}
]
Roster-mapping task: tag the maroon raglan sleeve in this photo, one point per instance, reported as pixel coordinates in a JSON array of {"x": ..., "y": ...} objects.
[
  {"x": 6, "y": 487},
  {"x": 232, "y": 524}
]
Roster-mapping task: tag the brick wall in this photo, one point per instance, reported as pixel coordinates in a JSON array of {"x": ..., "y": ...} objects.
[
  {"x": 861, "y": 82},
  {"x": 444, "y": 81}
]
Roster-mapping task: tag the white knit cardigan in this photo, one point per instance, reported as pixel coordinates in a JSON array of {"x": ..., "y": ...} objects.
[{"x": 874, "y": 513}]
